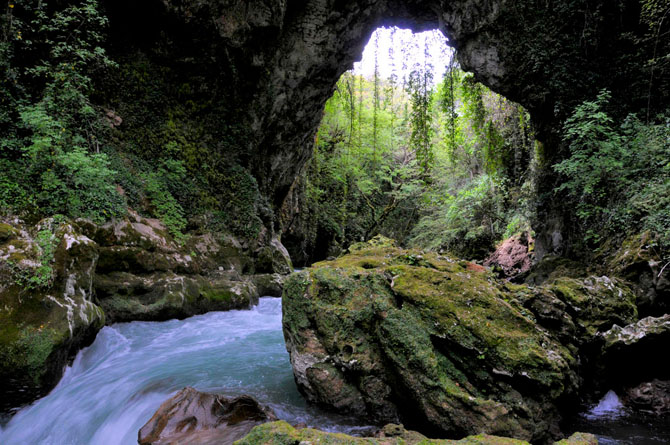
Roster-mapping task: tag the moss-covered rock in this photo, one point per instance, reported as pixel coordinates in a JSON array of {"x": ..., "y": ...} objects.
[
  {"x": 551, "y": 267},
  {"x": 579, "y": 439},
  {"x": 46, "y": 307},
  {"x": 437, "y": 342},
  {"x": 7, "y": 232},
  {"x": 274, "y": 258},
  {"x": 269, "y": 284},
  {"x": 596, "y": 303},
  {"x": 162, "y": 296},
  {"x": 145, "y": 274},
  {"x": 281, "y": 433},
  {"x": 637, "y": 261}
]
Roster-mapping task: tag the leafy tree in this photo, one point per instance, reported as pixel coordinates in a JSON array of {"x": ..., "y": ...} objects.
[
  {"x": 51, "y": 160},
  {"x": 617, "y": 175}
]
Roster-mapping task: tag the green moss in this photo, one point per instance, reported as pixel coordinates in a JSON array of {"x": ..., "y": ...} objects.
[
  {"x": 445, "y": 330},
  {"x": 281, "y": 433},
  {"x": 217, "y": 294},
  {"x": 579, "y": 439},
  {"x": 7, "y": 232},
  {"x": 378, "y": 241},
  {"x": 599, "y": 302},
  {"x": 25, "y": 351}
]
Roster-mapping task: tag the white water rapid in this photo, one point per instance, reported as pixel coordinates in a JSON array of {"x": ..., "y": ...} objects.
[{"x": 114, "y": 386}]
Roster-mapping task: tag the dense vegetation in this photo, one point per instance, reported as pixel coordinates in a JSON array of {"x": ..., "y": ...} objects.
[
  {"x": 444, "y": 166},
  {"x": 63, "y": 99}
]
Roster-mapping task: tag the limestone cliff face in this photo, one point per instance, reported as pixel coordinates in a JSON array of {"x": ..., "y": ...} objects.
[{"x": 272, "y": 64}]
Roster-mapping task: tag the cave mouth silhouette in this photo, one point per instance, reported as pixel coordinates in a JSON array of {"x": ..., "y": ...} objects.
[{"x": 269, "y": 66}]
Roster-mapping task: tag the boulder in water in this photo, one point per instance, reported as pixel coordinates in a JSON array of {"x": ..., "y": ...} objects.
[
  {"x": 433, "y": 341},
  {"x": 191, "y": 416},
  {"x": 441, "y": 343}
]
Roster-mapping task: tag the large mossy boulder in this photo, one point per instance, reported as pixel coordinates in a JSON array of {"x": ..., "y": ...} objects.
[
  {"x": 439, "y": 343},
  {"x": 281, "y": 433},
  {"x": 46, "y": 308},
  {"x": 393, "y": 334}
]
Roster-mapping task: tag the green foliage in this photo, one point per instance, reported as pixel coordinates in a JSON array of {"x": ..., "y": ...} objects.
[
  {"x": 65, "y": 177},
  {"x": 51, "y": 161},
  {"x": 483, "y": 183},
  {"x": 239, "y": 211},
  {"x": 469, "y": 222},
  {"x": 421, "y": 118},
  {"x": 446, "y": 167},
  {"x": 617, "y": 176},
  {"x": 165, "y": 206},
  {"x": 41, "y": 276}
]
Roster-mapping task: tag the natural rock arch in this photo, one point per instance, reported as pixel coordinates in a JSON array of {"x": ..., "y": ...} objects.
[{"x": 274, "y": 62}]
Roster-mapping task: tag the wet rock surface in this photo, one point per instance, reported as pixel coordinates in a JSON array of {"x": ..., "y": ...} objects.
[
  {"x": 192, "y": 417},
  {"x": 61, "y": 281},
  {"x": 652, "y": 397},
  {"x": 144, "y": 274}
]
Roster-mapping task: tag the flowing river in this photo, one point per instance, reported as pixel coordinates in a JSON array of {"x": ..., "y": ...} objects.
[{"x": 114, "y": 386}]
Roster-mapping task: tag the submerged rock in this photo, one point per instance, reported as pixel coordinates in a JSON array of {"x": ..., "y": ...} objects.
[
  {"x": 391, "y": 334},
  {"x": 46, "y": 305},
  {"x": 277, "y": 433},
  {"x": 191, "y": 417}
]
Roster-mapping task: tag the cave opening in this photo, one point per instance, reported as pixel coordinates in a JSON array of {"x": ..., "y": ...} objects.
[{"x": 406, "y": 138}]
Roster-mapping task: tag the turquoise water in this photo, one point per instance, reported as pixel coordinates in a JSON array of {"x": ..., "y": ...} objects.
[{"x": 114, "y": 386}]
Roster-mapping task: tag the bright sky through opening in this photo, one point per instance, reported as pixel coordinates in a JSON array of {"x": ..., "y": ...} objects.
[{"x": 400, "y": 51}]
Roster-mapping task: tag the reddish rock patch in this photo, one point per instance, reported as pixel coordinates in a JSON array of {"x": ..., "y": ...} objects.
[{"x": 514, "y": 256}]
